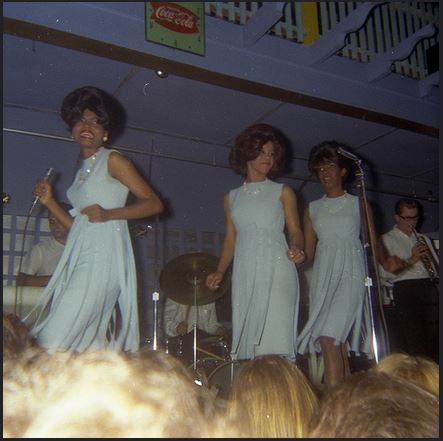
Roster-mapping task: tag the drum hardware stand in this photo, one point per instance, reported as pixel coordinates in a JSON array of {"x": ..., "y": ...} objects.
[
  {"x": 155, "y": 294},
  {"x": 195, "y": 322},
  {"x": 155, "y": 298}
]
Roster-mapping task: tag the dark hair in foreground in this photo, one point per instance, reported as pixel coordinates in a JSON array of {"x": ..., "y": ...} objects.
[
  {"x": 327, "y": 151},
  {"x": 111, "y": 115},
  {"x": 249, "y": 144},
  {"x": 376, "y": 405}
]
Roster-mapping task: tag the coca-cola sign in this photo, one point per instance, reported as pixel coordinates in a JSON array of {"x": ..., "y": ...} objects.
[{"x": 174, "y": 17}]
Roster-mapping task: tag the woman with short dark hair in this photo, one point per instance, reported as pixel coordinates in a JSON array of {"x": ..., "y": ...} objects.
[
  {"x": 332, "y": 227},
  {"x": 265, "y": 286}
]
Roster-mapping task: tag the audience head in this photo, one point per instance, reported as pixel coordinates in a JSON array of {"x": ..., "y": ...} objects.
[
  {"x": 420, "y": 370},
  {"x": 271, "y": 397},
  {"x": 248, "y": 146},
  {"x": 376, "y": 405},
  {"x": 15, "y": 337},
  {"x": 110, "y": 113},
  {"x": 102, "y": 394},
  {"x": 327, "y": 152}
]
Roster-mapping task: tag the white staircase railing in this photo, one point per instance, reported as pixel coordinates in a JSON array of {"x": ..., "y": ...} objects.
[{"x": 388, "y": 24}]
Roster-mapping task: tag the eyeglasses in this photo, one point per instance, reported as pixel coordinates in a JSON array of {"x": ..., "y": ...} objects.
[
  {"x": 412, "y": 218},
  {"x": 322, "y": 168}
]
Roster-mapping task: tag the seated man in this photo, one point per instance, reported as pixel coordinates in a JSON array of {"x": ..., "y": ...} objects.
[
  {"x": 179, "y": 319},
  {"x": 41, "y": 261}
]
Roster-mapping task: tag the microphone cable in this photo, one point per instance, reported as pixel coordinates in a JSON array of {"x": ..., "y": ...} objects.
[{"x": 48, "y": 174}]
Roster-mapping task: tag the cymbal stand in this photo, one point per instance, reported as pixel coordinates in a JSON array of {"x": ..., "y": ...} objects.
[
  {"x": 195, "y": 323},
  {"x": 155, "y": 298},
  {"x": 155, "y": 294}
]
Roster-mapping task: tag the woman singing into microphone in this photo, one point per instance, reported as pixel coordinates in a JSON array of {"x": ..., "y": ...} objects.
[
  {"x": 339, "y": 317},
  {"x": 94, "y": 281}
]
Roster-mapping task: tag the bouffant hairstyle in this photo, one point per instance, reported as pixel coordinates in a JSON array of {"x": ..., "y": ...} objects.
[
  {"x": 327, "y": 151},
  {"x": 249, "y": 144},
  {"x": 109, "y": 111}
]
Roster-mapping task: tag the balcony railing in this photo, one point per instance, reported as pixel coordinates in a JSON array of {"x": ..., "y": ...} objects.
[{"x": 387, "y": 25}]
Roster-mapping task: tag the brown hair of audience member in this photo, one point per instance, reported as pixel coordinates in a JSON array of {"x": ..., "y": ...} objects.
[
  {"x": 249, "y": 144},
  {"x": 16, "y": 337},
  {"x": 102, "y": 394},
  {"x": 373, "y": 404},
  {"x": 420, "y": 370},
  {"x": 270, "y": 397}
]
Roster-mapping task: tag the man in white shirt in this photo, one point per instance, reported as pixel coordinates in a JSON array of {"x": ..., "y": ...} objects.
[
  {"x": 40, "y": 262},
  {"x": 414, "y": 323},
  {"x": 179, "y": 319}
]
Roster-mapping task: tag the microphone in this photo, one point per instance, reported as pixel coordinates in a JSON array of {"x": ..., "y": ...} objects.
[
  {"x": 37, "y": 198},
  {"x": 348, "y": 155}
]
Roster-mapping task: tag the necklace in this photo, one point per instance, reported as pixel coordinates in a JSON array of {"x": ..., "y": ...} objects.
[
  {"x": 334, "y": 205},
  {"x": 253, "y": 191},
  {"x": 87, "y": 168}
]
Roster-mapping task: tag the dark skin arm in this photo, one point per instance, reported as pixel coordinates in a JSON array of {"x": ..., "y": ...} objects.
[{"x": 121, "y": 168}]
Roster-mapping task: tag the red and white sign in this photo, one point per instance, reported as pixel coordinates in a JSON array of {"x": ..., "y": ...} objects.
[{"x": 174, "y": 17}]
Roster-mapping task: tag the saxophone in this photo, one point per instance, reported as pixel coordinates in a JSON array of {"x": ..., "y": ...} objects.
[{"x": 428, "y": 259}]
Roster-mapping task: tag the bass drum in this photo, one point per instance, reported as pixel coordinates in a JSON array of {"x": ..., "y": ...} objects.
[{"x": 222, "y": 377}]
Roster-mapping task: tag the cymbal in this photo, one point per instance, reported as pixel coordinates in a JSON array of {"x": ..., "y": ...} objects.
[{"x": 185, "y": 276}]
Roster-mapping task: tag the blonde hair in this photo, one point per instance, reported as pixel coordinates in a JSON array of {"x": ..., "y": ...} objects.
[
  {"x": 422, "y": 371},
  {"x": 373, "y": 404},
  {"x": 270, "y": 397},
  {"x": 102, "y": 394}
]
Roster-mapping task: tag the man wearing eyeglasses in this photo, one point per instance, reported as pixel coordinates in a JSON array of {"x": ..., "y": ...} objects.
[{"x": 414, "y": 321}]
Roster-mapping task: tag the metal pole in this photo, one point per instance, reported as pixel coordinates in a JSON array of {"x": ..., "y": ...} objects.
[
  {"x": 215, "y": 164},
  {"x": 195, "y": 323},
  {"x": 155, "y": 298}
]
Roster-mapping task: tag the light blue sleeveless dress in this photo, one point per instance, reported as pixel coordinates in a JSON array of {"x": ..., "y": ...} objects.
[
  {"x": 90, "y": 302},
  {"x": 265, "y": 287},
  {"x": 338, "y": 305}
]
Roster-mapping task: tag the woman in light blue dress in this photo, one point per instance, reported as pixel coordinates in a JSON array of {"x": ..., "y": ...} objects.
[
  {"x": 90, "y": 303},
  {"x": 338, "y": 313},
  {"x": 265, "y": 287}
]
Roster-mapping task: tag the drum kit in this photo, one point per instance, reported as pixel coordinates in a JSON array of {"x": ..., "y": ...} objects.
[{"x": 183, "y": 280}]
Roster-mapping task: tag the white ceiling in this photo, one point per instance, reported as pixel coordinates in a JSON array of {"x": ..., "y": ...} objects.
[{"x": 38, "y": 74}]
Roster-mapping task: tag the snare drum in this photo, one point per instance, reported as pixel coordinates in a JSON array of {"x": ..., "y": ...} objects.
[
  {"x": 223, "y": 375},
  {"x": 214, "y": 347}
]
